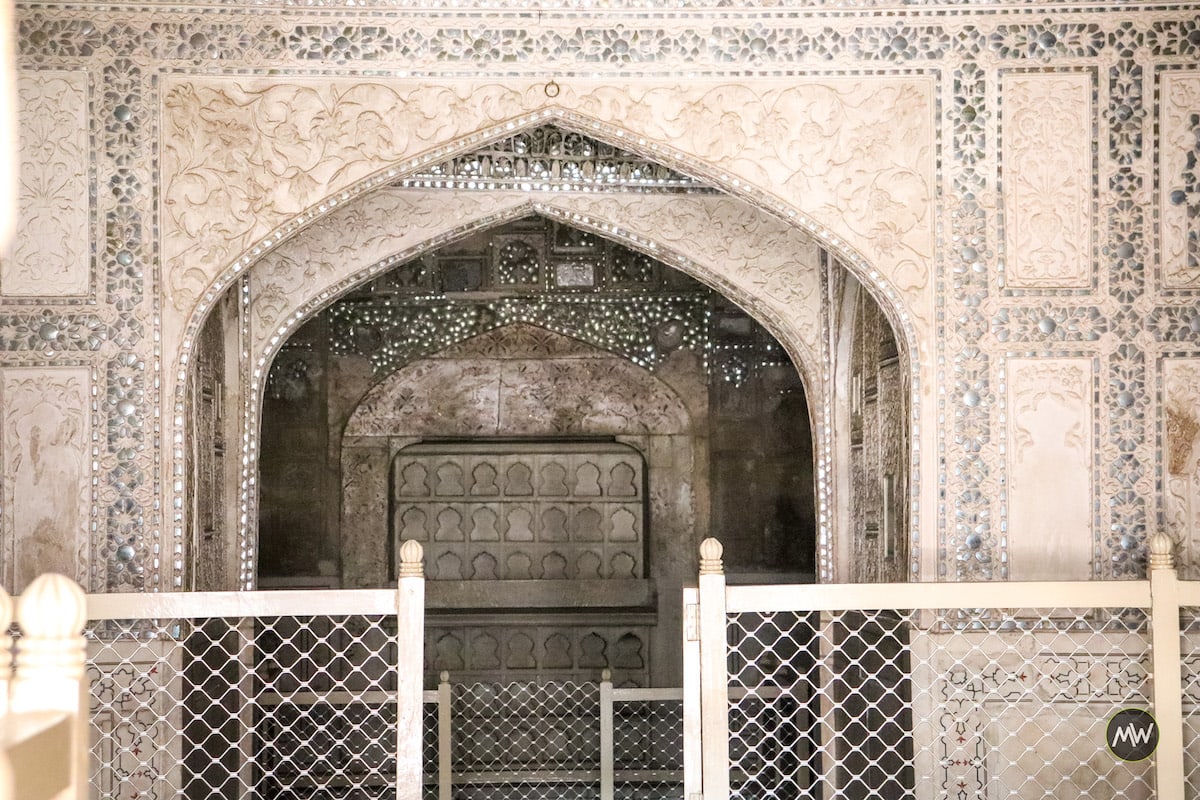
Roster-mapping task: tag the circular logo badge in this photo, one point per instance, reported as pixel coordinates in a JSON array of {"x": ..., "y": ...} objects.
[{"x": 1132, "y": 734}]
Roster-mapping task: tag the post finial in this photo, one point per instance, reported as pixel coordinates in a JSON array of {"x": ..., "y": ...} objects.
[
  {"x": 1162, "y": 551},
  {"x": 51, "y": 651},
  {"x": 6, "y": 618},
  {"x": 52, "y": 607},
  {"x": 606, "y": 675},
  {"x": 444, "y": 676},
  {"x": 710, "y": 557},
  {"x": 412, "y": 556}
]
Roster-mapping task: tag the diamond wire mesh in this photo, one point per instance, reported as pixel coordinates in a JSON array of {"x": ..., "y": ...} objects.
[
  {"x": 526, "y": 740},
  {"x": 949, "y": 704},
  {"x": 429, "y": 749},
  {"x": 282, "y": 707},
  {"x": 648, "y": 749},
  {"x": 1189, "y": 646},
  {"x": 525, "y": 727}
]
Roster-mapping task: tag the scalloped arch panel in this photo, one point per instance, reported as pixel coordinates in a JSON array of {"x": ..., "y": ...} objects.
[{"x": 504, "y": 383}]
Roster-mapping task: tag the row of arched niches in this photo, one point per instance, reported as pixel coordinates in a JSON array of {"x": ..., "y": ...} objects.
[{"x": 523, "y": 511}]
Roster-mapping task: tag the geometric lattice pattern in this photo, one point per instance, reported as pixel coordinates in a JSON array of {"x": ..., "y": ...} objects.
[
  {"x": 541, "y": 741},
  {"x": 648, "y": 749},
  {"x": 525, "y": 740},
  {"x": 946, "y": 704},
  {"x": 525, "y": 727},
  {"x": 271, "y": 707},
  {"x": 1189, "y": 647}
]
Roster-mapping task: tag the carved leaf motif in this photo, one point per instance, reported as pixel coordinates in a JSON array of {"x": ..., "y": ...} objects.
[
  {"x": 242, "y": 155},
  {"x": 1047, "y": 187},
  {"x": 51, "y": 247},
  {"x": 1181, "y": 497},
  {"x": 46, "y": 480},
  {"x": 1180, "y": 187},
  {"x": 1039, "y": 383}
]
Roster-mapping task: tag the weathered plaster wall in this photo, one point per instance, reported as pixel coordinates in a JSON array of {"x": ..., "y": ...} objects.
[{"x": 941, "y": 152}]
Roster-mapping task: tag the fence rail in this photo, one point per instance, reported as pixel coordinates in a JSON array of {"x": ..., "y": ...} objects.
[
  {"x": 528, "y": 740},
  {"x": 259, "y": 694},
  {"x": 882, "y": 690},
  {"x": 945, "y": 690}
]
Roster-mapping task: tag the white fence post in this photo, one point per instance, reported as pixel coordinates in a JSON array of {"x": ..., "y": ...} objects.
[
  {"x": 692, "y": 741},
  {"x": 714, "y": 681},
  {"x": 6, "y": 645},
  {"x": 50, "y": 665},
  {"x": 1166, "y": 668},
  {"x": 410, "y": 666},
  {"x": 606, "y": 735},
  {"x": 445, "y": 732}
]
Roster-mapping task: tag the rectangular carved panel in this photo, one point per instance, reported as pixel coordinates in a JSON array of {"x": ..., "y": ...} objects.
[
  {"x": 47, "y": 476},
  {"x": 1179, "y": 182},
  {"x": 1049, "y": 468},
  {"x": 522, "y": 511},
  {"x": 1181, "y": 398},
  {"x": 1047, "y": 180},
  {"x": 51, "y": 255}
]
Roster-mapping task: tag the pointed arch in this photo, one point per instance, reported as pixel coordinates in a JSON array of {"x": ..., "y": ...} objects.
[{"x": 750, "y": 289}]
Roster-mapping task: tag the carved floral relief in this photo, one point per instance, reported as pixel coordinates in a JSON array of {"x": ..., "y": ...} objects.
[
  {"x": 47, "y": 481},
  {"x": 747, "y": 253},
  {"x": 1181, "y": 395},
  {"x": 51, "y": 250},
  {"x": 457, "y": 393},
  {"x": 1179, "y": 167},
  {"x": 1047, "y": 180},
  {"x": 241, "y": 156}
]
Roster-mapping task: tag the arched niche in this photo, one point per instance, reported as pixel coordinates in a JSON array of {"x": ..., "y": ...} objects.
[
  {"x": 519, "y": 397},
  {"x": 707, "y": 236},
  {"x": 767, "y": 267}
]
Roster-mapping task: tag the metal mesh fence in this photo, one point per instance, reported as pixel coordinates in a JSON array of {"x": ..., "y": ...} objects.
[
  {"x": 648, "y": 749},
  {"x": 1189, "y": 647},
  {"x": 429, "y": 746},
  {"x": 279, "y": 707},
  {"x": 525, "y": 727},
  {"x": 946, "y": 704}
]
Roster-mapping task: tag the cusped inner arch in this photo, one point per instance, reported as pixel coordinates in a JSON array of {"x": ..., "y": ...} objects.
[{"x": 519, "y": 379}]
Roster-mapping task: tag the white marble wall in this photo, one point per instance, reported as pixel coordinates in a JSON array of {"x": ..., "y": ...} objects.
[{"x": 944, "y": 154}]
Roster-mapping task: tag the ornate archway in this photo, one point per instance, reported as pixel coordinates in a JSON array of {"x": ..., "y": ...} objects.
[{"x": 745, "y": 253}]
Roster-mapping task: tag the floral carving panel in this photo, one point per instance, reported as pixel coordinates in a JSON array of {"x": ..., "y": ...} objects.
[
  {"x": 345, "y": 244},
  {"x": 1050, "y": 453},
  {"x": 47, "y": 480},
  {"x": 1180, "y": 179},
  {"x": 744, "y": 252},
  {"x": 51, "y": 248},
  {"x": 241, "y": 156},
  {"x": 1047, "y": 180},
  {"x": 1181, "y": 395}
]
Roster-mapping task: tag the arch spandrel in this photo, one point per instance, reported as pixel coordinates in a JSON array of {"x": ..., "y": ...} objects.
[{"x": 243, "y": 156}]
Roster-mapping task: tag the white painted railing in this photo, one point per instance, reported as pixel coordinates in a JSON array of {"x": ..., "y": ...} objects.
[
  {"x": 940, "y": 690},
  {"x": 43, "y": 724},
  {"x": 258, "y": 693}
]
